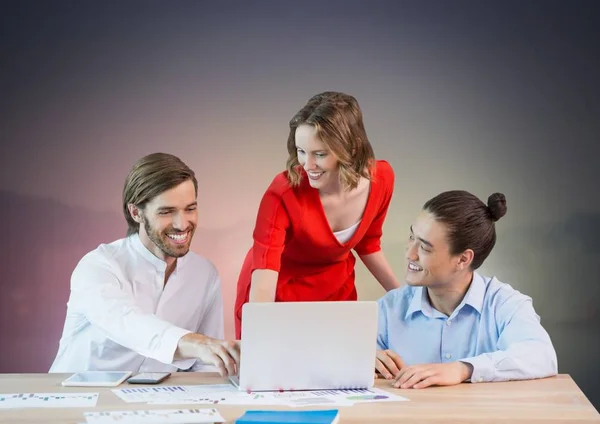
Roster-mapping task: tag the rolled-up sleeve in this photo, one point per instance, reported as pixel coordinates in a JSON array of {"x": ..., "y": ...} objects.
[
  {"x": 371, "y": 241},
  {"x": 269, "y": 234}
]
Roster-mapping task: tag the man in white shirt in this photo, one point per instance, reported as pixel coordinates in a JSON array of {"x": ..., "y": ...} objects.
[{"x": 145, "y": 302}]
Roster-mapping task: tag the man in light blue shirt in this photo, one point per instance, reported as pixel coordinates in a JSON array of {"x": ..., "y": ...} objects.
[{"x": 450, "y": 324}]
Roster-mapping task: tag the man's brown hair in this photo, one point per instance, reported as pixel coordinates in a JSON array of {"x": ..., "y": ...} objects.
[
  {"x": 150, "y": 176},
  {"x": 470, "y": 223}
]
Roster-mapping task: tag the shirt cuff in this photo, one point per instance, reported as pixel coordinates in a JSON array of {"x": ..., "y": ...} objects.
[
  {"x": 368, "y": 250},
  {"x": 200, "y": 367},
  {"x": 483, "y": 368},
  {"x": 185, "y": 364},
  {"x": 168, "y": 346}
]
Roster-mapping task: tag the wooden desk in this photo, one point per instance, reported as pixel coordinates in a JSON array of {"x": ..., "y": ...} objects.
[{"x": 556, "y": 399}]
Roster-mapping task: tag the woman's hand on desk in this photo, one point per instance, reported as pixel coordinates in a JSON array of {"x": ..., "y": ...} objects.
[
  {"x": 425, "y": 375},
  {"x": 388, "y": 364},
  {"x": 223, "y": 354}
]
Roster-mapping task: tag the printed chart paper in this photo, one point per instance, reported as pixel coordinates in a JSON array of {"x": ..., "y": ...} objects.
[
  {"x": 146, "y": 394},
  {"x": 162, "y": 416},
  {"x": 48, "y": 400},
  {"x": 342, "y": 397},
  {"x": 166, "y": 393},
  {"x": 295, "y": 398},
  {"x": 230, "y": 397}
]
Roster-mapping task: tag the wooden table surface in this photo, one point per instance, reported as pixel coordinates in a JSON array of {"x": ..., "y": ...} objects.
[{"x": 555, "y": 399}]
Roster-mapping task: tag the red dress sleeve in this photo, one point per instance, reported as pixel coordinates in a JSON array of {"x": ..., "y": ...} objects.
[
  {"x": 371, "y": 241},
  {"x": 271, "y": 227}
]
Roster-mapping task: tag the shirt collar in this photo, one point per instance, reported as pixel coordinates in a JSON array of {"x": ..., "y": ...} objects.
[
  {"x": 475, "y": 294},
  {"x": 420, "y": 303},
  {"x": 139, "y": 247},
  {"x": 473, "y": 297}
]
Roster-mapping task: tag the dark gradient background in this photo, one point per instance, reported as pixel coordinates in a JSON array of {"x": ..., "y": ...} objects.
[{"x": 483, "y": 96}]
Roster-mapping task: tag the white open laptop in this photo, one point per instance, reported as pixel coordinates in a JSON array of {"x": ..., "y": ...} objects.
[{"x": 307, "y": 346}]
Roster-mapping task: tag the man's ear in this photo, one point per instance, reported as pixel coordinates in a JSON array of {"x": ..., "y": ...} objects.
[
  {"x": 135, "y": 212},
  {"x": 465, "y": 259}
]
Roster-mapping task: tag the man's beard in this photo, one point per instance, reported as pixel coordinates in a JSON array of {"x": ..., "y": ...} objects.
[{"x": 162, "y": 242}]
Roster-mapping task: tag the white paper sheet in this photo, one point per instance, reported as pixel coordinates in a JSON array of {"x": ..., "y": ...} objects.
[
  {"x": 296, "y": 398},
  {"x": 162, "y": 416},
  {"x": 145, "y": 394},
  {"x": 340, "y": 397},
  {"x": 166, "y": 393},
  {"x": 48, "y": 400},
  {"x": 230, "y": 397}
]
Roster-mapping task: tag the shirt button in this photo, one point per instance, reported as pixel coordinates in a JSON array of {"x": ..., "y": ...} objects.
[
  {"x": 448, "y": 322},
  {"x": 480, "y": 379},
  {"x": 448, "y": 356}
]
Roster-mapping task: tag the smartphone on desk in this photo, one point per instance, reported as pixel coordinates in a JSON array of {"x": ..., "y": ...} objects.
[{"x": 148, "y": 377}]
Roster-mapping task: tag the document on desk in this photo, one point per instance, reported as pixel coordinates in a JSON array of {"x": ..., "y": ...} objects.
[
  {"x": 230, "y": 397},
  {"x": 48, "y": 400},
  {"x": 162, "y": 416},
  {"x": 292, "y": 398},
  {"x": 339, "y": 397},
  {"x": 166, "y": 393}
]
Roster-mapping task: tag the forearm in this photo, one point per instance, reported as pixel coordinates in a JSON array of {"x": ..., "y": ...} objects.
[
  {"x": 263, "y": 285},
  {"x": 521, "y": 361},
  {"x": 380, "y": 268},
  {"x": 188, "y": 345},
  {"x": 118, "y": 318},
  {"x": 145, "y": 334}
]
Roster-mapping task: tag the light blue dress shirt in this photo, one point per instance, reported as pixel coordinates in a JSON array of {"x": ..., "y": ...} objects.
[{"x": 494, "y": 328}]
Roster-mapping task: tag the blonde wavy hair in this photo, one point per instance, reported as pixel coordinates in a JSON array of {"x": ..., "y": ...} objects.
[{"x": 338, "y": 121}]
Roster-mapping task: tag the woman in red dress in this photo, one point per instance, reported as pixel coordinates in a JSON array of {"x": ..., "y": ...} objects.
[{"x": 333, "y": 198}]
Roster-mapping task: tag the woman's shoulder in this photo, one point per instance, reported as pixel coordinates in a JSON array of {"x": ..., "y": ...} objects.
[
  {"x": 382, "y": 174},
  {"x": 281, "y": 185},
  {"x": 383, "y": 169}
]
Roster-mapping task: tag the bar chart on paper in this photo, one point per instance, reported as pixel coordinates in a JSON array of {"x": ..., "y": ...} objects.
[
  {"x": 167, "y": 394},
  {"x": 338, "y": 397},
  {"x": 48, "y": 400},
  {"x": 146, "y": 394}
]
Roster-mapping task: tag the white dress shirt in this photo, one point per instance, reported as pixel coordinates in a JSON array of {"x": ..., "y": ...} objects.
[{"x": 121, "y": 316}]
